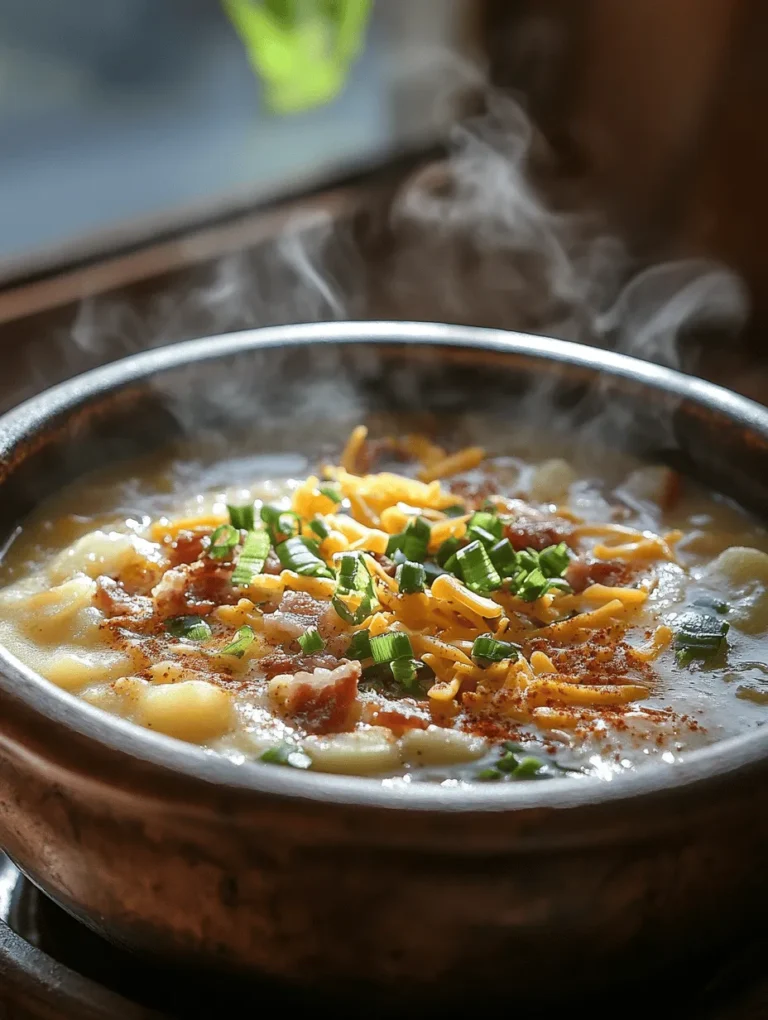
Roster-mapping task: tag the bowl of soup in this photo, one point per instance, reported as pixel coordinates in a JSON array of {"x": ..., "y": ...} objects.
[{"x": 405, "y": 657}]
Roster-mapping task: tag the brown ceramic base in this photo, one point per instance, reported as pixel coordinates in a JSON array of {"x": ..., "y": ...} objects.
[{"x": 53, "y": 968}]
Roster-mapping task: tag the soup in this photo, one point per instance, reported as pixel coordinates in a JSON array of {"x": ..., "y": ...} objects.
[{"x": 409, "y": 612}]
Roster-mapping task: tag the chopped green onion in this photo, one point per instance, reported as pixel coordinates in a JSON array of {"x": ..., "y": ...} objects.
[
  {"x": 319, "y": 527},
  {"x": 528, "y": 560},
  {"x": 360, "y": 646},
  {"x": 252, "y": 558},
  {"x": 413, "y": 541},
  {"x": 286, "y": 753},
  {"x": 457, "y": 510},
  {"x": 532, "y": 574},
  {"x": 353, "y": 574},
  {"x": 298, "y": 554},
  {"x": 310, "y": 641},
  {"x": 193, "y": 628},
  {"x": 398, "y": 557},
  {"x": 355, "y": 595},
  {"x": 512, "y": 747},
  {"x": 558, "y": 584},
  {"x": 533, "y": 586},
  {"x": 510, "y": 766},
  {"x": 699, "y": 636},
  {"x": 238, "y": 647},
  {"x": 330, "y": 492},
  {"x": 405, "y": 671},
  {"x": 487, "y": 649},
  {"x": 709, "y": 602},
  {"x": 554, "y": 560},
  {"x": 388, "y": 647},
  {"x": 486, "y": 526},
  {"x": 504, "y": 558},
  {"x": 223, "y": 541},
  {"x": 452, "y": 566},
  {"x": 352, "y": 606},
  {"x": 432, "y": 572},
  {"x": 482, "y": 536},
  {"x": 447, "y": 549},
  {"x": 242, "y": 516},
  {"x": 411, "y": 578},
  {"x": 528, "y": 768},
  {"x": 281, "y": 524},
  {"x": 507, "y": 763},
  {"x": 477, "y": 571}
]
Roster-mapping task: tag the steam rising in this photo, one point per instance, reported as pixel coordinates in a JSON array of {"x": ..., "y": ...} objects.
[{"x": 490, "y": 236}]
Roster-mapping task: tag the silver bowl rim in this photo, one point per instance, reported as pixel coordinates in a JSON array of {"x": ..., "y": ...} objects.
[{"x": 730, "y": 759}]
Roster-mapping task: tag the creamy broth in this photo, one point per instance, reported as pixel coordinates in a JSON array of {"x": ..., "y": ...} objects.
[{"x": 105, "y": 584}]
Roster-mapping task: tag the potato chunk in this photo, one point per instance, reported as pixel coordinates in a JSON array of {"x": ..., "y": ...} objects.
[
  {"x": 373, "y": 749},
  {"x": 135, "y": 561},
  {"x": 192, "y": 710},
  {"x": 551, "y": 481},
  {"x": 740, "y": 576},
  {"x": 439, "y": 746}
]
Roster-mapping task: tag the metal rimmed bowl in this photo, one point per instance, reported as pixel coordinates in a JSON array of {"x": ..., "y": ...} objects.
[{"x": 420, "y": 891}]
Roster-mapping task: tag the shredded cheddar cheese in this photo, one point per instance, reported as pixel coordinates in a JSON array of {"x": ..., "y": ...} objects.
[
  {"x": 465, "y": 460},
  {"x": 563, "y": 658}
]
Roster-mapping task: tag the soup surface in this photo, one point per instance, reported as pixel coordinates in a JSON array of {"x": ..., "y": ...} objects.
[{"x": 403, "y": 610}]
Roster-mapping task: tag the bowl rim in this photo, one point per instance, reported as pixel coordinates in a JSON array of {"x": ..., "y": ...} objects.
[{"x": 725, "y": 759}]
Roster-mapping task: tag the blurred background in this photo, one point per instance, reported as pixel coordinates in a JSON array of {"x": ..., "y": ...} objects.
[
  {"x": 131, "y": 116},
  {"x": 174, "y": 167}
]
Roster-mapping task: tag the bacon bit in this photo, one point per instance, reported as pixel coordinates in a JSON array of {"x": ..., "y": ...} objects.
[
  {"x": 612, "y": 573},
  {"x": 296, "y": 612},
  {"x": 188, "y": 545},
  {"x": 279, "y": 661},
  {"x": 272, "y": 564},
  {"x": 537, "y": 531},
  {"x": 397, "y": 716},
  {"x": 195, "y": 588},
  {"x": 113, "y": 600},
  {"x": 322, "y": 701},
  {"x": 473, "y": 493}
]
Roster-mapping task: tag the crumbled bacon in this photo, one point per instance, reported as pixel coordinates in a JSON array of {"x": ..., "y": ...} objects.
[
  {"x": 279, "y": 661},
  {"x": 324, "y": 701},
  {"x": 473, "y": 493},
  {"x": 272, "y": 564},
  {"x": 296, "y": 613},
  {"x": 195, "y": 588},
  {"x": 537, "y": 531},
  {"x": 113, "y": 600},
  {"x": 188, "y": 546},
  {"x": 398, "y": 716},
  {"x": 612, "y": 573}
]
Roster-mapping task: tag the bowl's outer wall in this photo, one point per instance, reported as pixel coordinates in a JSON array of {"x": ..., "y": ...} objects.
[{"x": 319, "y": 889}]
